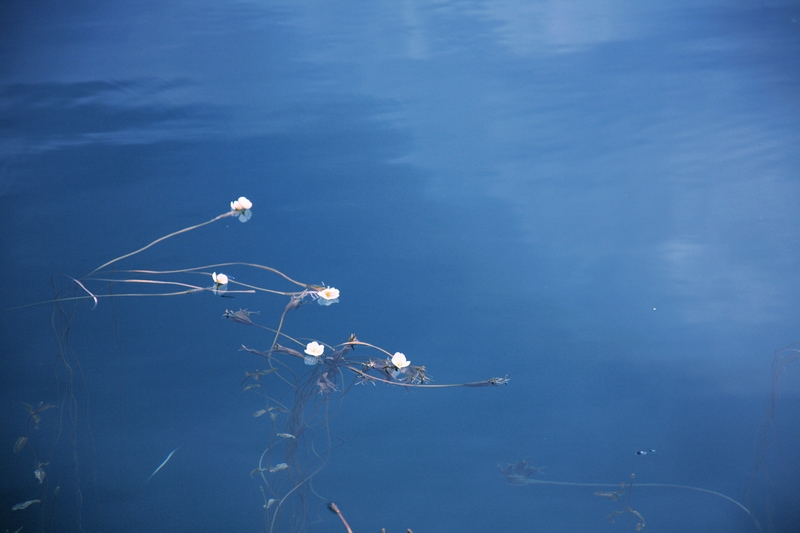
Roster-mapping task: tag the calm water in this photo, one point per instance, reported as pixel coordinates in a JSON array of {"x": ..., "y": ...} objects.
[{"x": 597, "y": 199}]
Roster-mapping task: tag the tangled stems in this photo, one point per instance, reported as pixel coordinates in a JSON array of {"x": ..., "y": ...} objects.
[
  {"x": 240, "y": 208},
  {"x": 204, "y": 270},
  {"x": 300, "y": 405},
  {"x": 366, "y": 370}
]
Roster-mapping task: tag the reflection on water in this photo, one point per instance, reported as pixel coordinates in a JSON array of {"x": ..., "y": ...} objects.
[{"x": 595, "y": 197}]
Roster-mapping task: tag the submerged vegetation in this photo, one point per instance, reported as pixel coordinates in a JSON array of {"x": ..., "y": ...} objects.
[
  {"x": 522, "y": 473},
  {"x": 301, "y": 383}
]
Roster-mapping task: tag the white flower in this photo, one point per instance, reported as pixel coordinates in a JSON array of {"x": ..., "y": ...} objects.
[
  {"x": 399, "y": 361},
  {"x": 314, "y": 348},
  {"x": 219, "y": 279},
  {"x": 242, "y": 207},
  {"x": 327, "y": 296},
  {"x": 242, "y": 204}
]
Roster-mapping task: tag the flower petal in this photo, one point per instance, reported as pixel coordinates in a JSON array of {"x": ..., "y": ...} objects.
[
  {"x": 328, "y": 293},
  {"x": 399, "y": 360},
  {"x": 314, "y": 348}
]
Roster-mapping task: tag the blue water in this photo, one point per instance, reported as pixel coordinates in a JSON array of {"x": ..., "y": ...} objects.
[{"x": 596, "y": 199}]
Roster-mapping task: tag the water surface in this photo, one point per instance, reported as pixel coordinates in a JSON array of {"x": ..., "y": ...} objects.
[{"x": 597, "y": 199}]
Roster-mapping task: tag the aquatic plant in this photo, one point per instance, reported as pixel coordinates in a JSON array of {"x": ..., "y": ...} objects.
[
  {"x": 521, "y": 473},
  {"x": 301, "y": 383}
]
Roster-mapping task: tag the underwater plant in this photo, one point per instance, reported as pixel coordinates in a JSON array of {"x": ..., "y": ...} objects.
[
  {"x": 301, "y": 383},
  {"x": 521, "y": 473},
  {"x": 299, "y": 401}
]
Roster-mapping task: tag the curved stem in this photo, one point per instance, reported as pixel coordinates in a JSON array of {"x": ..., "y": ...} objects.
[
  {"x": 160, "y": 239},
  {"x": 654, "y": 485}
]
